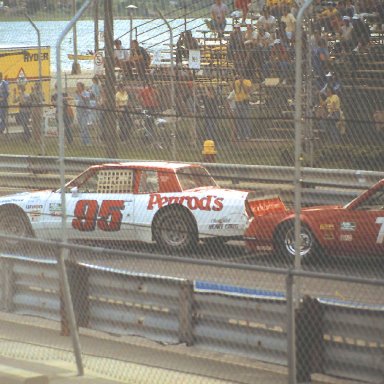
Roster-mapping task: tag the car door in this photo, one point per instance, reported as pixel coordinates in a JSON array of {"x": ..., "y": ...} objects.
[
  {"x": 100, "y": 208},
  {"x": 361, "y": 229}
]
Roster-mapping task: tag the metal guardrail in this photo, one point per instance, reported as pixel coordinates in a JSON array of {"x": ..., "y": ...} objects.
[
  {"x": 253, "y": 327},
  {"x": 352, "y": 346},
  {"x": 321, "y": 186},
  {"x": 346, "y": 339},
  {"x": 30, "y": 287},
  {"x": 132, "y": 304}
]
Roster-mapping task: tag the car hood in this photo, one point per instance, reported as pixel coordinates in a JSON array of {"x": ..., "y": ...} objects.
[{"x": 24, "y": 196}]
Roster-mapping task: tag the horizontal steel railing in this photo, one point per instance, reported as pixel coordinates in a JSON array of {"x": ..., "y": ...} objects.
[
  {"x": 321, "y": 186},
  {"x": 353, "y": 342},
  {"x": 254, "y": 327},
  {"x": 133, "y": 304},
  {"x": 30, "y": 287}
]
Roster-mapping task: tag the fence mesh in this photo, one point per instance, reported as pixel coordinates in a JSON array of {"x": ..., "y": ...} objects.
[{"x": 180, "y": 147}]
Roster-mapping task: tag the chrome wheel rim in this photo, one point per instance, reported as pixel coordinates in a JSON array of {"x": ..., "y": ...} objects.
[{"x": 306, "y": 242}]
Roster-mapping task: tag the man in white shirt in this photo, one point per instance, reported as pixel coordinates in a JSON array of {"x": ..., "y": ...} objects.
[
  {"x": 120, "y": 54},
  {"x": 267, "y": 21}
]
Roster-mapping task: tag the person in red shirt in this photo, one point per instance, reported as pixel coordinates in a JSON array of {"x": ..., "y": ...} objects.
[
  {"x": 149, "y": 102},
  {"x": 148, "y": 98}
]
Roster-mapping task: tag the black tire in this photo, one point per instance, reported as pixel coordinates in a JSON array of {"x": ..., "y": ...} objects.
[
  {"x": 14, "y": 223},
  {"x": 285, "y": 243},
  {"x": 175, "y": 231}
]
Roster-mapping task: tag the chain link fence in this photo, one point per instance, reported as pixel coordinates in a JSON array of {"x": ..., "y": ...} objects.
[{"x": 156, "y": 249}]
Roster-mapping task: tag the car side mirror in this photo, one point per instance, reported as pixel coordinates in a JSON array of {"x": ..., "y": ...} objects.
[{"x": 74, "y": 191}]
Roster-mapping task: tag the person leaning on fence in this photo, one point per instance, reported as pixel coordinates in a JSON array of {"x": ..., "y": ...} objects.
[
  {"x": 4, "y": 93},
  {"x": 21, "y": 97},
  {"x": 242, "y": 88},
  {"x": 83, "y": 112}
]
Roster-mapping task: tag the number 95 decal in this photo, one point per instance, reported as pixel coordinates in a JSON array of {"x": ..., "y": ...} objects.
[{"x": 107, "y": 218}]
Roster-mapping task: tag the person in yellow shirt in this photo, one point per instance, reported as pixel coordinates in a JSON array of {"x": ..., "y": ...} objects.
[
  {"x": 329, "y": 18},
  {"x": 333, "y": 107},
  {"x": 242, "y": 88}
]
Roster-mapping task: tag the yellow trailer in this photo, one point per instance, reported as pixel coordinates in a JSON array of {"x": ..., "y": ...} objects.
[{"x": 20, "y": 66}]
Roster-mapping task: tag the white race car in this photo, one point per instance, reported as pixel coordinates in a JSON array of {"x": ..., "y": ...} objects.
[{"x": 173, "y": 204}]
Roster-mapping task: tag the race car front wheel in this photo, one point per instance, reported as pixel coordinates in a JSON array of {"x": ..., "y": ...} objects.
[
  {"x": 16, "y": 224},
  {"x": 285, "y": 242},
  {"x": 175, "y": 231}
]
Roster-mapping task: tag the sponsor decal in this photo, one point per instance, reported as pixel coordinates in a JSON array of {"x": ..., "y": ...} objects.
[
  {"x": 231, "y": 226},
  {"x": 327, "y": 227},
  {"x": 33, "y": 207},
  {"x": 222, "y": 220},
  {"x": 34, "y": 210},
  {"x": 260, "y": 207},
  {"x": 207, "y": 203},
  {"x": 347, "y": 226},
  {"x": 223, "y": 226},
  {"x": 328, "y": 236},
  {"x": 7, "y": 201},
  {"x": 54, "y": 209},
  {"x": 347, "y": 237},
  {"x": 216, "y": 226}
]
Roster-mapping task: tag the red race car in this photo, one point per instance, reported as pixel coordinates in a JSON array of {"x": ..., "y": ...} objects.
[{"x": 351, "y": 230}]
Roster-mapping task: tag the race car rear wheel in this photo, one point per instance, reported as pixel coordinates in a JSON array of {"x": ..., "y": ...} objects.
[
  {"x": 175, "y": 231},
  {"x": 285, "y": 242},
  {"x": 14, "y": 223}
]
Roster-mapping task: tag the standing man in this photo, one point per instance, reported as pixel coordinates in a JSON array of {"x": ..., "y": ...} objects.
[
  {"x": 219, "y": 12},
  {"x": 24, "y": 101},
  {"x": 4, "y": 93},
  {"x": 83, "y": 110},
  {"x": 242, "y": 88}
]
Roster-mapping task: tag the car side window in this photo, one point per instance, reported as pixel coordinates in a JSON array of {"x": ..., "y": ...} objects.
[
  {"x": 149, "y": 182},
  {"x": 115, "y": 181}
]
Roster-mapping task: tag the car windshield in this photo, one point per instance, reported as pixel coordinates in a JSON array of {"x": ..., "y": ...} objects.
[
  {"x": 195, "y": 177},
  {"x": 374, "y": 202}
]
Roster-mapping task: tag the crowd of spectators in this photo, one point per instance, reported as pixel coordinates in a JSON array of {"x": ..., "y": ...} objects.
[{"x": 339, "y": 30}]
